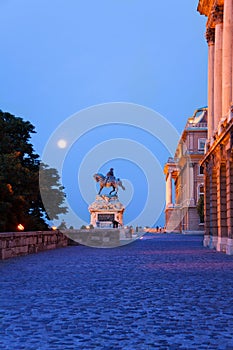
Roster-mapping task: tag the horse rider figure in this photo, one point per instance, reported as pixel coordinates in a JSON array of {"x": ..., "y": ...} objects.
[{"x": 110, "y": 176}]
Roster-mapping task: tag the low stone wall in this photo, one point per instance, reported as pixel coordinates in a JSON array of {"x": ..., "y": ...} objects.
[
  {"x": 100, "y": 237},
  {"x": 14, "y": 244}
]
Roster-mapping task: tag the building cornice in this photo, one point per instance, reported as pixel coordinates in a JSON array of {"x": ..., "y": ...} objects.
[
  {"x": 205, "y": 7},
  {"x": 213, "y": 10}
]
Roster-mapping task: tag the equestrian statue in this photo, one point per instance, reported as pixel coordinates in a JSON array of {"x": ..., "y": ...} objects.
[{"x": 108, "y": 181}]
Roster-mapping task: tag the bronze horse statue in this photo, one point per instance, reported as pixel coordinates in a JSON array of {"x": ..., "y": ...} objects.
[{"x": 111, "y": 182}]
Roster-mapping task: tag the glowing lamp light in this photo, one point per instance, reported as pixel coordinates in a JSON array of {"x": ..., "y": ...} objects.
[
  {"x": 20, "y": 227},
  {"x": 54, "y": 228}
]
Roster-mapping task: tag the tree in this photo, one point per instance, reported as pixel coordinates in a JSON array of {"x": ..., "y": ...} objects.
[
  {"x": 20, "y": 198},
  {"x": 62, "y": 226},
  {"x": 51, "y": 192},
  {"x": 200, "y": 208}
]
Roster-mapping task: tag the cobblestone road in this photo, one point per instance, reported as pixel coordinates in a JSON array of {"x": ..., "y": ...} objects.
[{"x": 160, "y": 292}]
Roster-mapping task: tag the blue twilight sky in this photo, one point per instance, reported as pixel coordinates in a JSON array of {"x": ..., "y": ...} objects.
[{"x": 60, "y": 57}]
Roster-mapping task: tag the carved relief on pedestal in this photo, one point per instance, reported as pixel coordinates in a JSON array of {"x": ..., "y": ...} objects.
[
  {"x": 106, "y": 203},
  {"x": 105, "y": 209}
]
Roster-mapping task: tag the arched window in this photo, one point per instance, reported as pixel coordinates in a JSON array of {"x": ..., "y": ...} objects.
[{"x": 200, "y": 191}]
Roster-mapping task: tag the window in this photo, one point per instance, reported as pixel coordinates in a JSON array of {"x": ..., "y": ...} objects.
[
  {"x": 201, "y": 170},
  {"x": 201, "y": 191},
  {"x": 201, "y": 144}
]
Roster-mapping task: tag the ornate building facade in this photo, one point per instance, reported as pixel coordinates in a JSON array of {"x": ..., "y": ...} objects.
[
  {"x": 185, "y": 177},
  {"x": 218, "y": 158}
]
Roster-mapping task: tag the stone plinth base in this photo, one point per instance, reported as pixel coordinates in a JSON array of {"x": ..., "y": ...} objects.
[
  {"x": 221, "y": 244},
  {"x": 105, "y": 210},
  {"x": 210, "y": 241},
  {"x": 229, "y": 246},
  {"x": 190, "y": 232},
  {"x": 206, "y": 241}
]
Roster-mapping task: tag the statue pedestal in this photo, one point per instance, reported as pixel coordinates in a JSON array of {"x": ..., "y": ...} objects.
[{"x": 106, "y": 209}]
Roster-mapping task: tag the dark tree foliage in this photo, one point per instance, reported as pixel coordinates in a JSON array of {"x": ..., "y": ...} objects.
[
  {"x": 20, "y": 198},
  {"x": 200, "y": 209}
]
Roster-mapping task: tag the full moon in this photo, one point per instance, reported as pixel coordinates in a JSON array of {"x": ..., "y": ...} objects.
[{"x": 62, "y": 143}]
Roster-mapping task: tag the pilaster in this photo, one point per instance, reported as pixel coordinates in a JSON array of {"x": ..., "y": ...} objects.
[
  {"x": 221, "y": 207},
  {"x": 213, "y": 208},
  {"x": 229, "y": 197},
  {"x": 206, "y": 241}
]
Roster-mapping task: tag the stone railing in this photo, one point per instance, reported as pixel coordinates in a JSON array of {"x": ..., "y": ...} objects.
[
  {"x": 196, "y": 125},
  {"x": 14, "y": 244}
]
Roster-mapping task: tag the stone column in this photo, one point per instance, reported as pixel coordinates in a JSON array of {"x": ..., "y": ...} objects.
[
  {"x": 227, "y": 57},
  {"x": 169, "y": 189},
  {"x": 210, "y": 37},
  {"x": 191, "y": 184},
  {"x": 218, "y": 19}
]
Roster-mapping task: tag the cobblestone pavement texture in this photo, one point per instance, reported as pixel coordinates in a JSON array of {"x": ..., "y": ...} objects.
[{"x": 164, "y": 291}]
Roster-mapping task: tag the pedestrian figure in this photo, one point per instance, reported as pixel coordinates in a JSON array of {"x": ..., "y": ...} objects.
[{"x": 115, "y": 223}]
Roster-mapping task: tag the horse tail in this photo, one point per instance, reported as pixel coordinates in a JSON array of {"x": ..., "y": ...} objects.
[{"x": 120, "y": 184}]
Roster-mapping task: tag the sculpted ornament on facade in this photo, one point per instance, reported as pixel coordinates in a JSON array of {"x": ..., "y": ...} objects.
[
  {"x": 217, "y": 15},
  {"x": 210, "y": 35},
  {"x": 222, "y": 153}
]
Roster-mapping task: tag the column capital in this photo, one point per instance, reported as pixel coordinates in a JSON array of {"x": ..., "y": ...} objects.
[
  {"x": 210, "y": 35},
  {"x": 217, "y": 15}
]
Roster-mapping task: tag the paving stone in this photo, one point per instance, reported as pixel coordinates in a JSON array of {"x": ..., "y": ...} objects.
[{"x": 165, "y": 291}]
